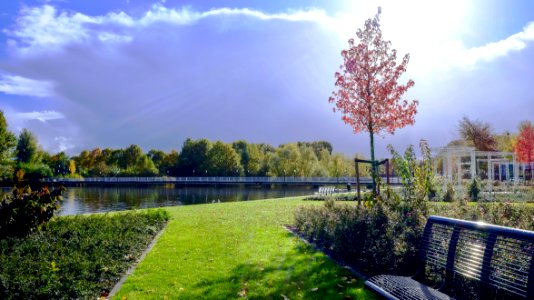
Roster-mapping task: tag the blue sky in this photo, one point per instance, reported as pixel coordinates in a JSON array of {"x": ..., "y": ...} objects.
[{"x": 85, "y": 74}]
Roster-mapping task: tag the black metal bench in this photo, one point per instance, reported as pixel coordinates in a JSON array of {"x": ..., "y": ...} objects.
[{"x": 466, "y": 260}]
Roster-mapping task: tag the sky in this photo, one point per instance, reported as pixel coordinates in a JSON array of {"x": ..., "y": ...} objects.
[{"x": 86, "y": 74}]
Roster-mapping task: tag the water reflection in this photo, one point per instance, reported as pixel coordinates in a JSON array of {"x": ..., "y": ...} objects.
[{"x": 91, "y": 199}]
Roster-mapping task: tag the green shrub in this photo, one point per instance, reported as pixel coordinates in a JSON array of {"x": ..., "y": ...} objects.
[
  {"x": 23, "y": 210},
  {"x": 377, "y": 238},
  {"x": 449, "y": 193},
  {"x": 384, "y": 237},
  {"x": 473, "y": 190},
  {"x": 35, "y": 171},
  {"x": 500, "y": 213},
  {"x": 80, "y": 257},
  {"x": 417, "y": 177}
]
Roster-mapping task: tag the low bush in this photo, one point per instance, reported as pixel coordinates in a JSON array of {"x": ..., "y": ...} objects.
[
  {"x": 517, "y": 215},
  {"x": 75, "y": 257},
  {"x": 384, "y": 237},
  {"x": 376, "y": 238},
  {"x": 23, "y": 210},
  {"x": 473, "y": 189},
  {"x": 449, "y": 195},
  {"x": 35, "y": 171}
]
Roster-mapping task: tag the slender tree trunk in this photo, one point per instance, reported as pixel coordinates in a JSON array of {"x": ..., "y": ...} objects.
[{"x": 373, "y": 165}]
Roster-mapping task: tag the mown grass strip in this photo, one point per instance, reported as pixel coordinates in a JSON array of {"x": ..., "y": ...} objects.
[
  {"x": 237, "y": 250},
  {"x": 75, "y": 257}
]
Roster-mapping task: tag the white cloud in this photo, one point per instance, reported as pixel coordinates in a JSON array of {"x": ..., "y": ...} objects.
[
  {"x": 45, "y": 28},
  {"x": 63, "y": 143},
  {"x": 54, "y": 131},
  {"x": 42, "y": 116},
  {"x": 491, "y": 51},
  {"x": 18, "y": 85},
  {"x": 110, "y": 37}
]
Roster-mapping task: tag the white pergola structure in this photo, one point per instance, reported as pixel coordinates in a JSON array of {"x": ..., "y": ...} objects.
[{"x": 459, "y": 163}]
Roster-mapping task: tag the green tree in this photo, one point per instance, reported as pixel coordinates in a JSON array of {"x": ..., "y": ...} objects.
[
  {"x": 256, "y": 161},
  {"x": 130, "y": 157},
  {"x": 8, "y": 142},
  {"x": 265, "y": 152},
  {"x": 30, "y": 157},
  {"x": 145, "y": 167},
  {"x": 337, "y": 165},
  {"x": 81, "y": 163},
  {"x": 191, "y": 160},
  {"x": 243, "y": 150},
  {"x": 158, "y": 158},
  {"x": 135, "y": 163},
  {"x": 27, "y": 148},
  {"x": 169, "y": 164},
  {"x": 59, "y": 164},
  {"x": 86, "y": 162},
  {"x": 317, "y": 146},
  {"x": 112, "y": 157},
  {"x": 284, "y": 161},
  {"x": 505, "y": 142},
  {"x": 309, "y": 163},
  {"x": 223, "y": 160}
]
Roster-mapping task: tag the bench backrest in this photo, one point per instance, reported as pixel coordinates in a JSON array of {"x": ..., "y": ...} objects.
[{"x": 479, "y": 259}]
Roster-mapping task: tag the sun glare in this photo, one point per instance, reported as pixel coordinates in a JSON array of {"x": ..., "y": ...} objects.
[{"x": 425, "y": 29}]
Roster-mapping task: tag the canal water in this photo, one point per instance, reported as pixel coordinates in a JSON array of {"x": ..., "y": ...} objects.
[{"x": 94, "y": 199}]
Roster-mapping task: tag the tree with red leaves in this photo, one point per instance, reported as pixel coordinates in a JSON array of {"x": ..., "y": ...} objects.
[
  {"x": 368, "y": 93},
  {"x": 524, "y": 144}
]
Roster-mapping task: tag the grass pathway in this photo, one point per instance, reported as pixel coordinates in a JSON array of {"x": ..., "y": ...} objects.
[{"x": 237, "y": 250}]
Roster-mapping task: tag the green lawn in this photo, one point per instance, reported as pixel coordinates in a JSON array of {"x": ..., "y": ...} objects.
[{"x": 237, "y": 250}]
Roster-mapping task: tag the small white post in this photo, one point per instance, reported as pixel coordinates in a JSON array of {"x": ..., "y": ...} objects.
[{"x": 473, "y": 165}]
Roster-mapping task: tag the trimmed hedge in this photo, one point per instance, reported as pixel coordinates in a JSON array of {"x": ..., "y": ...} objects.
[
  {"x": 75, "y": 257},
  {"x": 384, "y": 238},
  {"x": 375, "y": 239}
]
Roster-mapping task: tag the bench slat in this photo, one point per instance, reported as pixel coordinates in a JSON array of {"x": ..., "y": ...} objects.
[
  {"x": 401, "y": 287},
  {"x": 468, "y": 257}
]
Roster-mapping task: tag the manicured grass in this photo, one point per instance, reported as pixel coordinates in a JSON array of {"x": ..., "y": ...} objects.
[
  {"x": 237, "y": 250},
  {"x": 75, "y": 257}
]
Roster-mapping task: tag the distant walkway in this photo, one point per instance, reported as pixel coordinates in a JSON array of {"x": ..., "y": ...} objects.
[{"x": 215, "y": 180}]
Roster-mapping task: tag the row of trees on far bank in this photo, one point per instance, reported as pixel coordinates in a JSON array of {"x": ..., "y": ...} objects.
[
  {"x": 23, "y": 157},
  {"x": 205, "y": 158}
]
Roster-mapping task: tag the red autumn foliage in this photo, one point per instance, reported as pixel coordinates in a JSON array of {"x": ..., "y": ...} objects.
[
  {"x": 368, "y": 94},
  {"x": 524, "y": 145}
]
